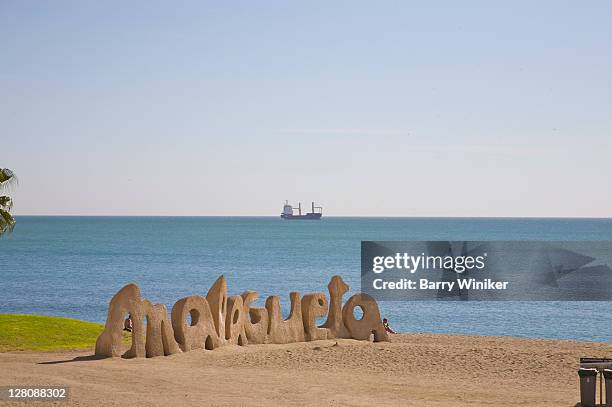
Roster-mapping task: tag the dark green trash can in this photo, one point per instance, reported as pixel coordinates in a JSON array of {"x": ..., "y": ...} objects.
[
  {"x": 607, "y": 373},
  {"x": 588, "y": 381}
]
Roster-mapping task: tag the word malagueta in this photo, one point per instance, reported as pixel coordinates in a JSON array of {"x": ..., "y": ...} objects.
[{"x": 217, "y": 319}]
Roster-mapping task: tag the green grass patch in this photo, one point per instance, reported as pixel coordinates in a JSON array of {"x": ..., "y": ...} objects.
[{"x": 19, "y": 332}]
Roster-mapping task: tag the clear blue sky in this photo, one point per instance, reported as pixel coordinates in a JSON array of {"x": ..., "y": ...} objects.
[{"x": 369, "y": 108}]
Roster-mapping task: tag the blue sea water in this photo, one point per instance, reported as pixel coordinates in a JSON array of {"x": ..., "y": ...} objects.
[{"x": 72, "y": 266}]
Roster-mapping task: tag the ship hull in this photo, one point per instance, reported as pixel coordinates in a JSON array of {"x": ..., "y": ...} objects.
[{"x": 308, "y": 216}]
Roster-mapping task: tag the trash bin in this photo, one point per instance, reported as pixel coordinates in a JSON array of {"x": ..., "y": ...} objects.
[
  {"x": 588, "y": 381},
  {"x": 608, "y": 376}
]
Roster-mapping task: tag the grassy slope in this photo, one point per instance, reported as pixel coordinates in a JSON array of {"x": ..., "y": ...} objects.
[{"x": 37, "y": 332}]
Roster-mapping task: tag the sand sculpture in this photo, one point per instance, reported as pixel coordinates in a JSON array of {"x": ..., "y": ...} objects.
[
  {"x": 201, "y": 332},
  {"x": 369, "y": 323},
  {"x": 314, "y": 306},
  {"x": 256, "y": 324},
  {"x": 235, "y": 332},
  {"x": 217, "y": 299},
  {"x": 217, "y": 319},
  {"x": 335, "y": 327},
  {"x": 285, "y": 330}
]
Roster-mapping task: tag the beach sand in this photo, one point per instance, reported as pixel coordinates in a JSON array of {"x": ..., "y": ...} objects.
[{"x": 412, "y": 370}]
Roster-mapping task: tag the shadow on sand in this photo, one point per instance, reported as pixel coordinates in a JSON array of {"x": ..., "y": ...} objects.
[{"x": 76, "y": 359}]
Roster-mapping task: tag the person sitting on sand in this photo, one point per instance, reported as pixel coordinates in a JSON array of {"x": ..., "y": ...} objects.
[
  {"x": 387, "y": 327},
  {"x": 128, "y": 325}
]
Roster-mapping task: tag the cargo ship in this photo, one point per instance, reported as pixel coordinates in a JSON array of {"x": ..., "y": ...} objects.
[{"x": 316, "y": 213}]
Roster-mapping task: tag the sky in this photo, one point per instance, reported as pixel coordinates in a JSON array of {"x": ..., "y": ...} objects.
[{"x": 368, "y": 108}]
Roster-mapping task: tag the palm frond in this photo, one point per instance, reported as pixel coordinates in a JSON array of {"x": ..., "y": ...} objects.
[
  {"x": 7, "y": 222},
  {"x": 6, "y": 203},
  {"x": 7, "y": 178}
]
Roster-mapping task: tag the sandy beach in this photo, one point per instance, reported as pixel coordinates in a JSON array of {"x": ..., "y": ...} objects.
[{"x": 412, "y": 370}]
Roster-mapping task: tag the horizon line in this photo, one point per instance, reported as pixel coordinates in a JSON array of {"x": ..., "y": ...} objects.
[{"x": 327, "y": 216}]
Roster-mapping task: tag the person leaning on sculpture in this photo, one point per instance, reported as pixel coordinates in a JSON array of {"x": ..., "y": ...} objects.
[
  {"x": 387, "y": 327},
  {"x": 128, "y": 325}
]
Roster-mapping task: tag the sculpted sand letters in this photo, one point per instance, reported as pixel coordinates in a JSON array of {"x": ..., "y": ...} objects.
[{"x": 199, "y": 322}]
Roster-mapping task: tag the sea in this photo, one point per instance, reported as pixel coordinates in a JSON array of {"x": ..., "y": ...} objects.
[{"x": 72, "y": 266}]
